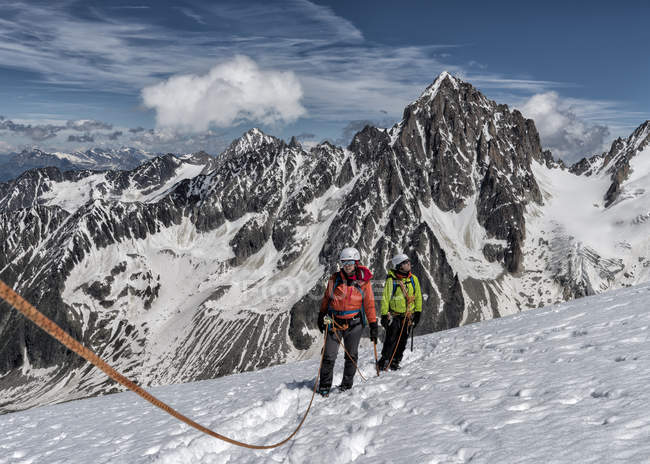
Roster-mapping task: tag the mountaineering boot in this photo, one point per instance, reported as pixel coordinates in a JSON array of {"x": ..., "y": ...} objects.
[
  {"x": 382, "y": 364},
  {"x": 344, "y": 387},
  {"x": 324, "y": 392},
  {"x": 395, "y": 366}
]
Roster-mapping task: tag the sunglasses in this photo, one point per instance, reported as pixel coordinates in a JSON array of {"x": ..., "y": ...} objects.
[{"x": 349, "y": 262}]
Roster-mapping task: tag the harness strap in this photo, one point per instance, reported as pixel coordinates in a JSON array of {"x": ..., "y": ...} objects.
[
  {"x": 395, "y": 286},
  {"x": 342, "y": 312},
  {"x": 362, "y": 309},
  {"x": 336, "y": 325},
  {"x": 410, "y": 299}
]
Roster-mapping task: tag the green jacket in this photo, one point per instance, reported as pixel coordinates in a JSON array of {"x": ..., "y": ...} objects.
[{"x": 396, "y": 302}]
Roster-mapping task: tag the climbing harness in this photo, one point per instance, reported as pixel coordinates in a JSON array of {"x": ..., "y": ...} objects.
[{"x": 52, "y": 329}]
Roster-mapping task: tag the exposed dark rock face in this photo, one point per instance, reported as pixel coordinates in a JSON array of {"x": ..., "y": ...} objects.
[
  {"x": 302, "y": 317},
  {"x": 444, "y": 307},
  {"x": 493, "y": 252},
  {"x": 585, "y": 166},
  {"x": 250, "y": 239},
  {"x": 550, "y": 162},
  {"x": 462, "y": 143}
]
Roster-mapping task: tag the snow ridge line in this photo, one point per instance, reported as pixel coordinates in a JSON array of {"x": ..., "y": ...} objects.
[{"x": 56, "y": 332}]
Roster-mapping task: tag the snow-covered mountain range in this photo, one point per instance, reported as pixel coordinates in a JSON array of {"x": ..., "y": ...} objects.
[
  {"x": 97, "y": 159},
  {"x": 184, "y": 270},
  {"x": 563, "y": 384}
]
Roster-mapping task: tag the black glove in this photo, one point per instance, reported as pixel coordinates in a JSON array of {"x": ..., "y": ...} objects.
[
  {"x": 416, "y": 318},
  {"x": 321, "y": 322},
  {"x": 385, "y": 322},
  {"x": 374, "y": 330}
]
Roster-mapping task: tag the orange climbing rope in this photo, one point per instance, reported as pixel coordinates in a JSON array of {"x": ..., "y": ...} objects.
[{"x": 49, "y": 326}]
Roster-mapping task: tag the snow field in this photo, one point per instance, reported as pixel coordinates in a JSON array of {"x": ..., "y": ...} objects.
[{"x": 567, "y": 383}]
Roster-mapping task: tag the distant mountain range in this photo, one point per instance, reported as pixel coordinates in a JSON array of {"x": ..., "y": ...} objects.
[
  {"x": 97, "y": 159},
  {"x": 190, "y": 268}
]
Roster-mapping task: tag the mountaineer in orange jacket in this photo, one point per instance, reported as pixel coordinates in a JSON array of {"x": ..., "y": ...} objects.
[{"x": 349, "y": 302}]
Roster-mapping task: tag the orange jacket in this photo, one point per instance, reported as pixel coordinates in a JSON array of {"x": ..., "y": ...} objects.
[{"x": 348, "y": 297}]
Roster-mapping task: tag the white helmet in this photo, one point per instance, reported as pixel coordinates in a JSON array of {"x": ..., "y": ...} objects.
[
  {"x": 348, "y": 254},
  {"x": 399, "y": 259}
]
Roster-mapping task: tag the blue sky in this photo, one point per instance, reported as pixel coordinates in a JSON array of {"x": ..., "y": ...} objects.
[{"x": 184, "y": 76}]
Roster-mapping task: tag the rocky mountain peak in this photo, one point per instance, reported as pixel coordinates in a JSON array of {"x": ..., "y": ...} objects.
[
  {"x": 250, "y": 141},
  {"x": 463, "y": 150},
  {"x": 640, "y": 138},
  {"x": 444, "y": 80},
  {"x": 616, "y": 162},
  {"x": 293, "y": 143},
  {"x": 619, "y": 154}
]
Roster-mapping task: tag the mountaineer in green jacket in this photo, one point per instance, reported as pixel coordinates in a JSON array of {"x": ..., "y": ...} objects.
[{"x": 401, "y": 308}]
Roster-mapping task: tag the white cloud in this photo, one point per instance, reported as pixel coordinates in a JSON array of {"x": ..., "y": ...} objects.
[
  {"x": 339, "y": 70},
  {"x": 561, "y": 130},
  {"x": 167, "y": 140},
  {"x": 343, "y": 76},
  {"x": 232, "y": 92},
  {"x": 191, "y": 14}
]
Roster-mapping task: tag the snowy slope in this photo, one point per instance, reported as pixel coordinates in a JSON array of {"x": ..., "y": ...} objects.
[
  {"x": 594, "y": 247},
  {"x": 563, "y": 384},
  {"x": 69, "y": 190},
  {"x": 70, "y": 195}
]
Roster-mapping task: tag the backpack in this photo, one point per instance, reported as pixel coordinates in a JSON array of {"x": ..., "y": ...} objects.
[
  {"x": 338, "y": 281},
  {"x": 395, "y": 284}
]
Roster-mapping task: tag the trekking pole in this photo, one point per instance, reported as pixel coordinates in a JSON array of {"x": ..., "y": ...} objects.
[
  {"x": 412, "y": 327},
  {"x": 376, "y": 360}
]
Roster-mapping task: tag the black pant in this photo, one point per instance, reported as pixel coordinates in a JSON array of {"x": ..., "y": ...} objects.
[
  {"x": 350, "y": 337},
  {"x": 391, "y": 339}
]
